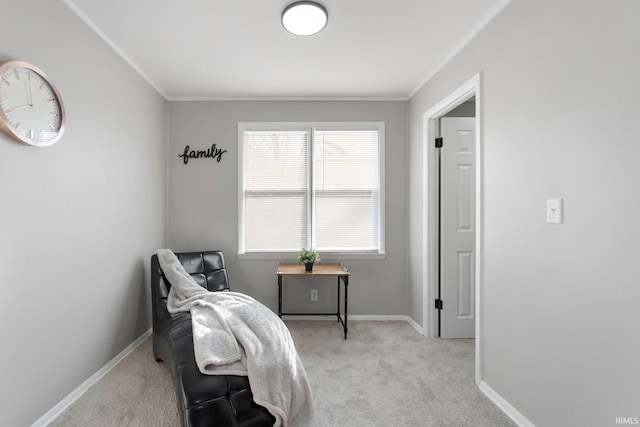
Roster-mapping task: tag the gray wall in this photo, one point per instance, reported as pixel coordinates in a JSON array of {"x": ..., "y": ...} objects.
[
  {"x": 466, "y": 109},
  {"x": 78, "y": 219},
  {"x": 561, "y": 317},
  {"x": 203, "y": 199}
]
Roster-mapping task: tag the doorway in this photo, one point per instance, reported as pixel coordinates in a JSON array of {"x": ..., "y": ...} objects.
[{"x": 431, "y": 246}]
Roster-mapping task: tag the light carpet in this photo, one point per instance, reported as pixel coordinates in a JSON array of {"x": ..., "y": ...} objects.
[{"x": 385, "y": 374}]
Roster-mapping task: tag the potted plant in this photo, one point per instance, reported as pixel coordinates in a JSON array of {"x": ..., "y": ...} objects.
[{"x": 308, "y": 257}]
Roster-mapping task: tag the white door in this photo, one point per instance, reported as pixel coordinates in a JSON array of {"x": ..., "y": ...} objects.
[{"x": 457, "y": 227}]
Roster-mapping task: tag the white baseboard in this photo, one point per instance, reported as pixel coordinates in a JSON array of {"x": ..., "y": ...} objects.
[
  {"x": 505, "y": 406},
  {"x": 359, "y": 317},
  {"x": 415, "y": 325},
  {"x": 75, "y": 394},
  {"x": 310, "y": 317}
]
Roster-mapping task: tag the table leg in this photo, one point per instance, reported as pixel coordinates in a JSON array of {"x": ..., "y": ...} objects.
[
  {"x": 280, "y": 296},
  {"x": 338, "y": 305},
  {"x": 345, "y": 279}
]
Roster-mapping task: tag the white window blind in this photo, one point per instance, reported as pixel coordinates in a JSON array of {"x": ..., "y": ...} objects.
[
  {"x": 346, "y": 189},
  {"x": 276, "y": 190},
  {"x": 311, "y": 187}
]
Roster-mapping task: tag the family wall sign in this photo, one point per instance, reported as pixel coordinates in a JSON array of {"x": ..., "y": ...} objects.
[{"x": 210, "y": 153}]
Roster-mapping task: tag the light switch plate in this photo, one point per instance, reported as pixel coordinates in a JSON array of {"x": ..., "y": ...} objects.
[{"x": 554, "y": 211}]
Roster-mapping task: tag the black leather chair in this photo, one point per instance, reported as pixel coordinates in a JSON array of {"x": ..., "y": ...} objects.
[{"x": 203, "y": 400}]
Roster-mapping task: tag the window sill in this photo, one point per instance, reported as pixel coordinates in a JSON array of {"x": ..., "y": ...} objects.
[{"x": 328, "y": 257}]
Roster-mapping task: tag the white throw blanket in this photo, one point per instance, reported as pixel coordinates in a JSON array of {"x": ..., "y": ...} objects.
[{"x": 233, "y": 334}]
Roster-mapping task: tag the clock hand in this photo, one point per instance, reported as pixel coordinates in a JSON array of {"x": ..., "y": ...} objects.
[
  {"x": 29, "y": 91},
  {"x": 20, "y": 107}
]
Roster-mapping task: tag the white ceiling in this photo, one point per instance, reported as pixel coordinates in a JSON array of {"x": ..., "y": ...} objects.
[{"x": 238, "y": 49}]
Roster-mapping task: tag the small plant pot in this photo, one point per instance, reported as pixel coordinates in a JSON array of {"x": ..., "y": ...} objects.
[{"x": 308, "y": 266}]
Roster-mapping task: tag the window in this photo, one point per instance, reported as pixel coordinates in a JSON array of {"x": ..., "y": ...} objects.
[{"x": 317, "y": 185}]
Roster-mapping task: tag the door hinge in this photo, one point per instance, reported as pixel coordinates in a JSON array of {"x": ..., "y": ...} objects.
[
  {"x": 438, "y": 142},
  {"x": 438, "y": 304}
]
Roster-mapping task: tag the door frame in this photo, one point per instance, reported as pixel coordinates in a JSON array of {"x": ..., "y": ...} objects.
[{"x": 463, "y": 93}]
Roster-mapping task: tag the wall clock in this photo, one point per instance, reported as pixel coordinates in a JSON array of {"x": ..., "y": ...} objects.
[{"x": 31, "y": 110}]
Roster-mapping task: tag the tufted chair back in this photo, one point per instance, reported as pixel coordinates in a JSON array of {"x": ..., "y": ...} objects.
[{"x": 207, "y": 269}]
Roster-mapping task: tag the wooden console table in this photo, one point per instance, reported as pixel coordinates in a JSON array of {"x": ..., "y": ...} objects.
[{"x": 336, "y": 270}]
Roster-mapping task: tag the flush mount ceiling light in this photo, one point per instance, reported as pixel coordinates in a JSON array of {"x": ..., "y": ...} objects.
[{"x": 304, "y": 18}]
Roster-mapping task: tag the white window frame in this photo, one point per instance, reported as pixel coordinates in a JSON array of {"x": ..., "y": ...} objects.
[{"x": 286, "y": 126}]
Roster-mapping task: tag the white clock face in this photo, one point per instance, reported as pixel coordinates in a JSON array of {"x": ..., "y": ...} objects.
[{"x": 31, "y": 108}]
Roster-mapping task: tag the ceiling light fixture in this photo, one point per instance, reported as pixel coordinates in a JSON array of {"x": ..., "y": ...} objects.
[{"x": 304, "y": 18}]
